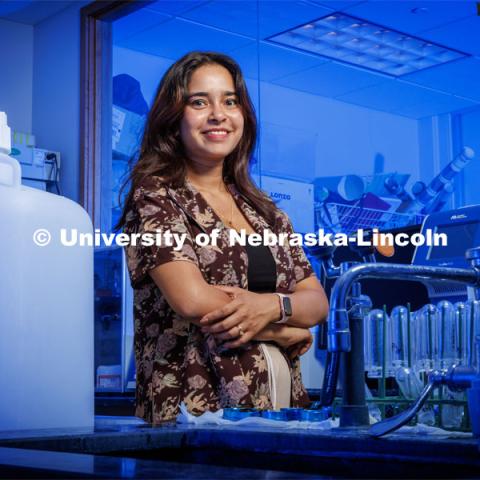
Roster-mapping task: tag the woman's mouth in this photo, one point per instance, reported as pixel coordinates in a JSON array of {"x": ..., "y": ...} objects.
[{"x": 216, "y": 134}]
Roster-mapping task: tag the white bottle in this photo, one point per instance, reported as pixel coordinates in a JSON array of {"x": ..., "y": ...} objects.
[{"x": 46, "y": 307}]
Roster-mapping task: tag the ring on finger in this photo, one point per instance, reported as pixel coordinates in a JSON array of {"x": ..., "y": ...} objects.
[{"x": 240, "y": 331}]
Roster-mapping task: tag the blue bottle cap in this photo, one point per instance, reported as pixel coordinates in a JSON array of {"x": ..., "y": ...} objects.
[
  {"x": 292, "y": 413},
  {"x": 315, "y": 415},
  {"x": 275, "y": 415},
  {"x": 237, "y": 413}
]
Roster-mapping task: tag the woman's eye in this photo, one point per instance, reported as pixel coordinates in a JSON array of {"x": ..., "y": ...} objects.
[
  {"x": 232, "y": 102},
  {"x": 198, "y": 102}
]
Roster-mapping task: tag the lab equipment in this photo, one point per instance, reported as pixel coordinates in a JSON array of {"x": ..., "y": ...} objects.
[
  {"x": 400, "y": 337},
  {"x": 411, "y": 387},
  {"x": 451, "y": 414},
  {"x": 354, "y": 411},
  {"x": 448, "y": 341},
  {"x": 345, "y": 204},
  {"x": 239, "y": 413},
  {"x": 440, "y": 268},
  {"x": 426, "y": 197},
  {"x": 40, "y": 167},
  {"x": 293, "y": 413},
  {"x": 425, "y": 323},
  {"x": 315, "y": 415},
  {"x": 456, "y": 378},
  {"x": 470, "y": 332},
  {"x": 114, "y": 325},
  {"x": 46, "y": 306},
  {"x": 275, "y": 415},
  {"x": 294, "y": 197},
  {"x": 368, "y": 212},
  {"x": 377, "y": 342},
  {"x": 349, "y": 187}
]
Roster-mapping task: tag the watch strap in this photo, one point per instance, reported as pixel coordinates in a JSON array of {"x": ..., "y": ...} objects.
[{"x": 283, "y": 316}]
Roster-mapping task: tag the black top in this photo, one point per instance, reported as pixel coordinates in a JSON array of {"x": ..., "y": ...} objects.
[{"x": 262, "y": 271}]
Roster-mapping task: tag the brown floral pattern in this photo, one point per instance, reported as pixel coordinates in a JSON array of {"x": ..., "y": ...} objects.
[{"x": 175, "y": 361}]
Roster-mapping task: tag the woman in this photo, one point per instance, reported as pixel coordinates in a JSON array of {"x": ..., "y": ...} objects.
[{"x": 206, "y": 330}]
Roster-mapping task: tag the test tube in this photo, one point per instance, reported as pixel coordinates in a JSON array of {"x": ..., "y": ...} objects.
[
  {"x": 425, "y": 323},
  {"x": 452, "y": 415},
  {"x": 377, "y": 343},
  {"x": 448, "y": 341},
  {"x": 462, "y": 316},
  {"x": 399, "y": 335},
  {"x": 471, "y": 330}
]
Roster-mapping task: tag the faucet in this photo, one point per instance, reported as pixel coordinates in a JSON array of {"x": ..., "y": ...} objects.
[
  {"x": 339, "y": 335},
  {"x": 354, "y": 410}
]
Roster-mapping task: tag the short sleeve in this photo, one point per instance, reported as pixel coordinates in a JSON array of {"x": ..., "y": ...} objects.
[
  {"x": 302, "y": 267},
  {"x": 154, "y": 217}
]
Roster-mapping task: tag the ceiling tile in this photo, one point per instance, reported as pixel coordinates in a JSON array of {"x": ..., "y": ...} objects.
[
  {"x": 175, "y": 7},
  {"x": 337, "y": 5},
  {"x": 330, "y": 80},
  {"x": 396, "y": 95},
  {"x": 399, "y": 14},
  {"x": 464, "y": 35},
  {"x": 135, "y": 23},
  {"x": 446, "y": 104},
  {"x": 233, "y": 16},
  {"x": 461, "y": 78},
  {"x": 278, "y": 16},
  {"x": 174, "y": 38},
  {"x": 274, "y": 61}
]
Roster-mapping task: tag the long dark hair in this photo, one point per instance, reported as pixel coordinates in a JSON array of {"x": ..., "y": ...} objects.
[{"x": 161, "y": 151}]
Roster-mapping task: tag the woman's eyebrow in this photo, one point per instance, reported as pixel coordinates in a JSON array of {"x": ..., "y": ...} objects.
[{"x": 205, "y": 94}]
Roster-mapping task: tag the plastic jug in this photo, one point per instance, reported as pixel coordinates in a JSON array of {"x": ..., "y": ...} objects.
[{"x": 46, "y": 307}]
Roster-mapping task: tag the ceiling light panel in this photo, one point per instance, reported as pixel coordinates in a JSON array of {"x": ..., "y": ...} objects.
[{"x": 355, "y": 41}]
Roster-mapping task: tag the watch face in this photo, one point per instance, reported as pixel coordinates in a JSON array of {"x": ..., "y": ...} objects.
[{"x": 287, "y": 306}]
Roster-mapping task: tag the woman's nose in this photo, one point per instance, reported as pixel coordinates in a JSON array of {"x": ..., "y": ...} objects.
[{"x": 217, "y": 112}]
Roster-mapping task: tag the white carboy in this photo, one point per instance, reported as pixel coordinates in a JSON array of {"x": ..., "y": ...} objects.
[{"x": 46, "y": 307}]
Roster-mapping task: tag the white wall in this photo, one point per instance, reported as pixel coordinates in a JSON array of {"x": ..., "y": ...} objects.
[
  {"x": 16, "y": 67},
  {"x": 328, "y": 137},
  {"x": 56, "y": 92}
]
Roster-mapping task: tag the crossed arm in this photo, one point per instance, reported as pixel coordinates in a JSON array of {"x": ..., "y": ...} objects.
[{"x": 220, "y": 310}]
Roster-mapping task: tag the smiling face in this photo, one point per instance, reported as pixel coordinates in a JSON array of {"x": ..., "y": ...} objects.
[{"x": 212, "y": 122}]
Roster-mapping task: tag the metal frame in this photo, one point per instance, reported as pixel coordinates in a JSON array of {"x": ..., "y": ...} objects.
[{"x": 96, "y": 104}]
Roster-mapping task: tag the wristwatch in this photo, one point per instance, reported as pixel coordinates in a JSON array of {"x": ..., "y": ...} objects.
[{"x": 285, "y": 308}]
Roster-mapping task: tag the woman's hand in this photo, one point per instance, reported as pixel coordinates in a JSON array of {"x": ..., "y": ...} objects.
[
  {"x": 294, "y": 340},
  {"x": 244, "y": 317},
  {"x": 300, "y": 341}
]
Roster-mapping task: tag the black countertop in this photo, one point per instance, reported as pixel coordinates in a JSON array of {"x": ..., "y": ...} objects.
[{"x": 127, "y": 448}]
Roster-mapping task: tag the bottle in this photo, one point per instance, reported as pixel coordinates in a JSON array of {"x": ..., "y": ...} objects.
[
  {"x": 10, "y": 172},
  {"x": 46, "y": 306}
]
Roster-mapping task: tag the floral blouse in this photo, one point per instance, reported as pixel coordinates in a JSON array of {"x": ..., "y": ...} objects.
[{"x": 175, "y": 361}]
